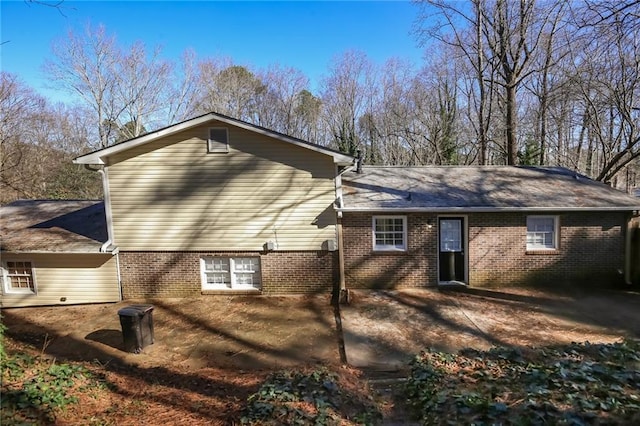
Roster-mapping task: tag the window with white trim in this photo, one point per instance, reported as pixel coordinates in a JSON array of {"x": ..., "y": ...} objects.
[
  {"x": 230, "y": 273},
  {"x": 542, "y": 232},
  {"x": 390, "y": 233},
  {"x": 218, "y": 141},
  {"x": 18, "y": 277}
]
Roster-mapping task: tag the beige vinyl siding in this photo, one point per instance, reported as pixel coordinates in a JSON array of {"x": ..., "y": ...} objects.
[
  {"x": 171, "y": 194},
  {"x": 80, "y": 278}
]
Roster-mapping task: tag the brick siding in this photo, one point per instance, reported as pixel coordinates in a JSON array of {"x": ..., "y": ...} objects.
[
  {"x": 591, "y": 249},
  {"x": 365, "y": 268},
  {"x": 177, "y": 274}
]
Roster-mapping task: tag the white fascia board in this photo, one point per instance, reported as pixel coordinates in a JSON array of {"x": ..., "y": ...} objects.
[
  {"x": 96, "y": 158},
  {"x": 84, "y": 253},
  {"x": 338, "y": 158},
  {"x": 484, "y": 209}
]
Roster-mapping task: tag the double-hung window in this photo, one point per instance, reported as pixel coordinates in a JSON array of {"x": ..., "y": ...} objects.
[
  {"x": 390, "y": 233},
  {"x": 18, "y": 277},
  {"x": 542, "y": 232},
  {"x": 230, "y": 273}
]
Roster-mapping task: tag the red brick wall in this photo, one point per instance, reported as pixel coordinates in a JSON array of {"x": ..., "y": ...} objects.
[
  {"x": 591, "y": 249},
  {"x": 365, "y": 268},
  {"x": 177, "y": 274}
]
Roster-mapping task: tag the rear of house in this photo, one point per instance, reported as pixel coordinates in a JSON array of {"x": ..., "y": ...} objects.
[
  {"x": 216, "y": 205},
  {"x": 483, "y": 226}
]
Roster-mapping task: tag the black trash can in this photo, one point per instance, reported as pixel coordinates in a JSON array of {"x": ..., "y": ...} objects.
[{"x": 137, "y": 327}]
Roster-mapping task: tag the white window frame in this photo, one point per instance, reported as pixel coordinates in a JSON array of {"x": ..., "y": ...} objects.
[
  {"x": 6, "y": 278},
  {"x": 216, "y": 146},
  {"x": 389, "y": 247},
  {"x": 554, "y": 237},
  {"x": 232, "y": 270}
]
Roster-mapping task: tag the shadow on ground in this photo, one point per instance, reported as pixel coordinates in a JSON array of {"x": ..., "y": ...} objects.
[{"x": 385, "y": 329}]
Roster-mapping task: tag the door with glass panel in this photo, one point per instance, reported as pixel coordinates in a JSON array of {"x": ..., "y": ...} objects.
[{"x": 451, "y": 250}]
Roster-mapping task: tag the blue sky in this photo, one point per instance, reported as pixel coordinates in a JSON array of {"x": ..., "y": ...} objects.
[{"x": 301, "y": 34}]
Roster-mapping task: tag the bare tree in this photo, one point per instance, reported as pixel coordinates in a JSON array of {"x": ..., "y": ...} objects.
[
  {"x": 345, "y": 94},
  {"x": 37, "y": 142},
  {"x": 139, "y": 85},
  {"x": 462, "y": 29},
  {"x": 17, "y": 102},
  {"x": 127, "y": 90},
  {"x": 501, "y": 37},
  {"x": 181, "y": 97},
  {"x": 230, "y": 89},
  {"x": 85, "y": 66},
  {"x": 277, "y": 104},
  {"x": 609, "y": 78}
]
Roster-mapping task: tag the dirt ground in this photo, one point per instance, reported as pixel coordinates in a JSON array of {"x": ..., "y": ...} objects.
[
  {"x": 383, "y": 330},
  {"x": 211, "y": 352},
  {"x": 224, "y": 332}
]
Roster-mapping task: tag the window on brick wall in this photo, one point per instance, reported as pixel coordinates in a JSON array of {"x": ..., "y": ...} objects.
[
  {"x": 230, "y": 273},
  {"x": 18, "y": 277},
  {"x": 390, "y": 233},
  {"x": 542, "y": 232}
]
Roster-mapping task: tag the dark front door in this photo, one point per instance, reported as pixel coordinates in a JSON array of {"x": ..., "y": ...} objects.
[{"x": 451, "y": 259}]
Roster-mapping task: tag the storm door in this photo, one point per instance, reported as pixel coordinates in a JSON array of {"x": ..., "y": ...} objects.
[{"x": 451, "y": 245}]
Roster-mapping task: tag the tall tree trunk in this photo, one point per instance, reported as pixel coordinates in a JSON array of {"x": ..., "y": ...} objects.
[
  {"x": 511, "y": 115},
  {"x": 482, "y": 134}
]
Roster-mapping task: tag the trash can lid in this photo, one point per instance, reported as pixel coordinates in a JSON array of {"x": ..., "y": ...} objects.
[
  {"x": 142, "y": 308},
  {"x": 129, "y": 312}
]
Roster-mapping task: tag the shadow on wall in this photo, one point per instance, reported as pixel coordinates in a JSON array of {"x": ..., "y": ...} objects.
[
  {"x": 585, "y": 262},
  {"x": 592, "y": 254},
  {"x": 635, "y": 251}
]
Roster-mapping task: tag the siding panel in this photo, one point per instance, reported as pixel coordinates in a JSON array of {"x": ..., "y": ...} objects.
[
  {"x": 80, "y": 278},
  {"x": 171, "y": 194}
]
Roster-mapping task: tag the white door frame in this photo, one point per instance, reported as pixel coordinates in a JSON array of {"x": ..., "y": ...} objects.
[{"x": 465, "y": 246}]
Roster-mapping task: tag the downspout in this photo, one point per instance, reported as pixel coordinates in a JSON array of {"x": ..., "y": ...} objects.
[
  {"x": 627, "y": 250},
  {"x": 107, "y": 206},
  {"x": 109, "y": 219},
  {"x": 118, "y": 277},
  {"x": 343, "y": 296},
  {"x": 343, "y": 285},
  {"x": 107, "y": 210}
]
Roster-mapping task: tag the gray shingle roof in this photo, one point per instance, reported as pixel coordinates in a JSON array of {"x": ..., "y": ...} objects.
[
  {"x": 53, "y": 226},
  {"x": 478, "y": 188}
]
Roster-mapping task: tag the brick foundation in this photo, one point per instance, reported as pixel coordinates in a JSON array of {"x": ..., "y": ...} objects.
[
  {"x": 591, "y": 250},
  {"x": 177, "y": 274}
]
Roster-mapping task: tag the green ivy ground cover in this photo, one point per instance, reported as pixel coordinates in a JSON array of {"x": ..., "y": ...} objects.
[
  {"x": 309, "y": 398},
  {"x": 575, "y": 384}
]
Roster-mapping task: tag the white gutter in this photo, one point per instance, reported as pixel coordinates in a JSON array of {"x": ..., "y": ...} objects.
[
  {"x": 58, "y": 252},
  {"x": 483, "y": 209}
]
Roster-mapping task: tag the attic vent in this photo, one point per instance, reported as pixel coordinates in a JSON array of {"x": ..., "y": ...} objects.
[{"x": 218, "y": 140}]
